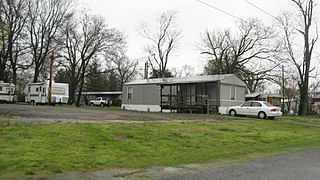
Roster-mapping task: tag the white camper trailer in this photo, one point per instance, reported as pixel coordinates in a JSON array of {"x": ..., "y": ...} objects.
[
  {"x": 7, "y": 92},
  {"x": 37, "y": 93}
]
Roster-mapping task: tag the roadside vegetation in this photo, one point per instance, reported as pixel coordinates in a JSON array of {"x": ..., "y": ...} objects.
[{"x": 48, "y": 149}]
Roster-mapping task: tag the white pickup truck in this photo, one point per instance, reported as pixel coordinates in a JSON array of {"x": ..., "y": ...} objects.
[{"x": 99, "y": 101}]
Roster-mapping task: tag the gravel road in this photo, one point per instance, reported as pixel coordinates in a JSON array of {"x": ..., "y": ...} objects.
[{"x": 293, "y": 166}]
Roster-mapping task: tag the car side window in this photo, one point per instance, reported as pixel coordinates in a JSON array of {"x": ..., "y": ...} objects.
[
  {"x": 246, "y": 104},
  {"x": 256, "y": 104}
]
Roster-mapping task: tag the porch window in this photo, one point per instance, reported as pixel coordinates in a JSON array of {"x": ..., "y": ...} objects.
[
  {"x": 130, "y": 92},
  {"x": 191, "y": 92},
  {"x": 233, "y": 92}
]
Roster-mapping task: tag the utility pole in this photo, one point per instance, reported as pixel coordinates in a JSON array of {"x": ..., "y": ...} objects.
[
  {"x": 50, "y": 80},
  {"x": 283, "y": 89}
]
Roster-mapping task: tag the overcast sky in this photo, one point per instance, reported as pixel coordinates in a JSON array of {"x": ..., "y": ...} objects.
[{"x": 193, "y": 17}]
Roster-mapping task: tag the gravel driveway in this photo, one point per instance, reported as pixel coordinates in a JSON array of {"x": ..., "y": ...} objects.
[{"x": 70, "y": 114}]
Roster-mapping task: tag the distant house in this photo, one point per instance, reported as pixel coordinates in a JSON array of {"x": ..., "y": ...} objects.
[
  {"x": 316, "y": 103},
  {"x": 187, "y": 94},
  {"x": 274, "y": 99}
]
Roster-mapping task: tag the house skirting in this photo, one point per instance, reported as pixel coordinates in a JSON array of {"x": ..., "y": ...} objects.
[{"x": 139, "y": 107}]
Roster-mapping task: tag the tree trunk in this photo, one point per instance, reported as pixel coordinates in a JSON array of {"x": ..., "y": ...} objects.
[
  {"x": 72, "y": 90},
  {"x": 303, "y": 99},
  {"x": 81, "y": 84},
  {"x": 36, "y": 74},
  {"x": 80, "y": 91},
  {"x": 2, "y": 71}
]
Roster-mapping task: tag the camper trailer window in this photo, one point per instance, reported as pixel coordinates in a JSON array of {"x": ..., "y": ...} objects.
[
  {"x": 0, "y": 88},
  {"x": 29, "y": 89},
  {"x": 37, "y": 89}
]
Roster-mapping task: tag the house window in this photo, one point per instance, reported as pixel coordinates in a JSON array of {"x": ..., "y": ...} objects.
[
  {"x": 130, "y": 92},
  {"x": 29, "y": 89},
  {"x": 0, "y": 88},
  {"x": 37, "y": 89},
  {"x": 233, "y": 92}
]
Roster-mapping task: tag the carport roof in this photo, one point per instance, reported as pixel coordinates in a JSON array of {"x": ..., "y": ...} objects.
[{"x": 181, "y": 80}]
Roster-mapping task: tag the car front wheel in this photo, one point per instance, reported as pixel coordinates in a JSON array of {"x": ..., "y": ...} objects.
[
  {"x": 262, "y": 115},
  {"x": 91, "y": 104},
  {"x": 232, "y": 113}
]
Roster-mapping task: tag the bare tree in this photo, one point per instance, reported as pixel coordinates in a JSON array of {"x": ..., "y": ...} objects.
[
  {"x": 13, "y": 19},
  {"x": 124, "y": 69},
  {"x": 163, "y": 41},
  {"x": 288, "y": 83},
  {"x": 184, "y": 71},
  {"x": 83, "y": 40},
  {"x": 290, "y": 28},
  {"x": 44, "y": 19},
  {"x": 248, "y": 53}
]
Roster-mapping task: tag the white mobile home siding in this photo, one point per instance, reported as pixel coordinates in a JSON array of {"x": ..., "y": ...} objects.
[
  {"x": 225, "y": 95},
  {"x": 145, "y": 97}
]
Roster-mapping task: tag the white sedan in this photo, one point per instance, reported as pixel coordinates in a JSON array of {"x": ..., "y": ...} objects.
[{"x": 261, "y": 109}]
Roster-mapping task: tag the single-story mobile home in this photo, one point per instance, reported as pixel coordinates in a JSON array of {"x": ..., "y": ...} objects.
[{"x": 186, "y": 94}]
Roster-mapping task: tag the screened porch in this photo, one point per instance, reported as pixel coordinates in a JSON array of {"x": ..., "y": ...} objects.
[{"x": 191, "y": 97}]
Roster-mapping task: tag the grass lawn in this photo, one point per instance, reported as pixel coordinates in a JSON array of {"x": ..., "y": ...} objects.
[{"x": 35, "y": 149}]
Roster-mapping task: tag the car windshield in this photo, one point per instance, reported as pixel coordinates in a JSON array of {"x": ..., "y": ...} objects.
[{"x": 268, "y": 104}]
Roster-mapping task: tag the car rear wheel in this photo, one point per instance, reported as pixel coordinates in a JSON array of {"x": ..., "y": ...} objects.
[
  {"x": 91, "y": 104},
  {"x": 232, "y": 112},
  {"x": 102, "y": 104},
  {"x": 262, "y": 115}
]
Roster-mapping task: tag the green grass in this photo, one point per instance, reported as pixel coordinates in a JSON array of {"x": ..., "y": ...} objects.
[
  {"x": 314, "y": 120},
  {"x": 27, "y": 149}
]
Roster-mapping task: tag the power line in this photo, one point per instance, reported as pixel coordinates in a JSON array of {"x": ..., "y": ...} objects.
[
  {"x": 220, "y": 10},
  {"x": 229, "y": 14},
  {"x": 262, "y": 10}
]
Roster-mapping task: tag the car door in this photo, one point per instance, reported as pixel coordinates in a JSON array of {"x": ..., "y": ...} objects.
[
  {"x": 244, "y": 108},
  {"x": 255, "y": 108}
]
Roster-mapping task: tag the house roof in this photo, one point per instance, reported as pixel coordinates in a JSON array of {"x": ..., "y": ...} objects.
[
  {"x": 181, "y": 80},
  {"x": 252, "y": 95},
  {"x": 103, "y": 93},
  {"x": 264, "y": 95}
]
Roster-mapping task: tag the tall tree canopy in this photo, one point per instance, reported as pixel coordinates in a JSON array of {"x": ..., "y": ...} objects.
[
  {"x": 13, "y": 15},
  {"x": 83, "y": 39},
  {"x": 164, "y": 40},
  {"x": 301, "y": 60},
  {"x": 247, "y": 53},
  {"x": 44, "y": 19}
]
